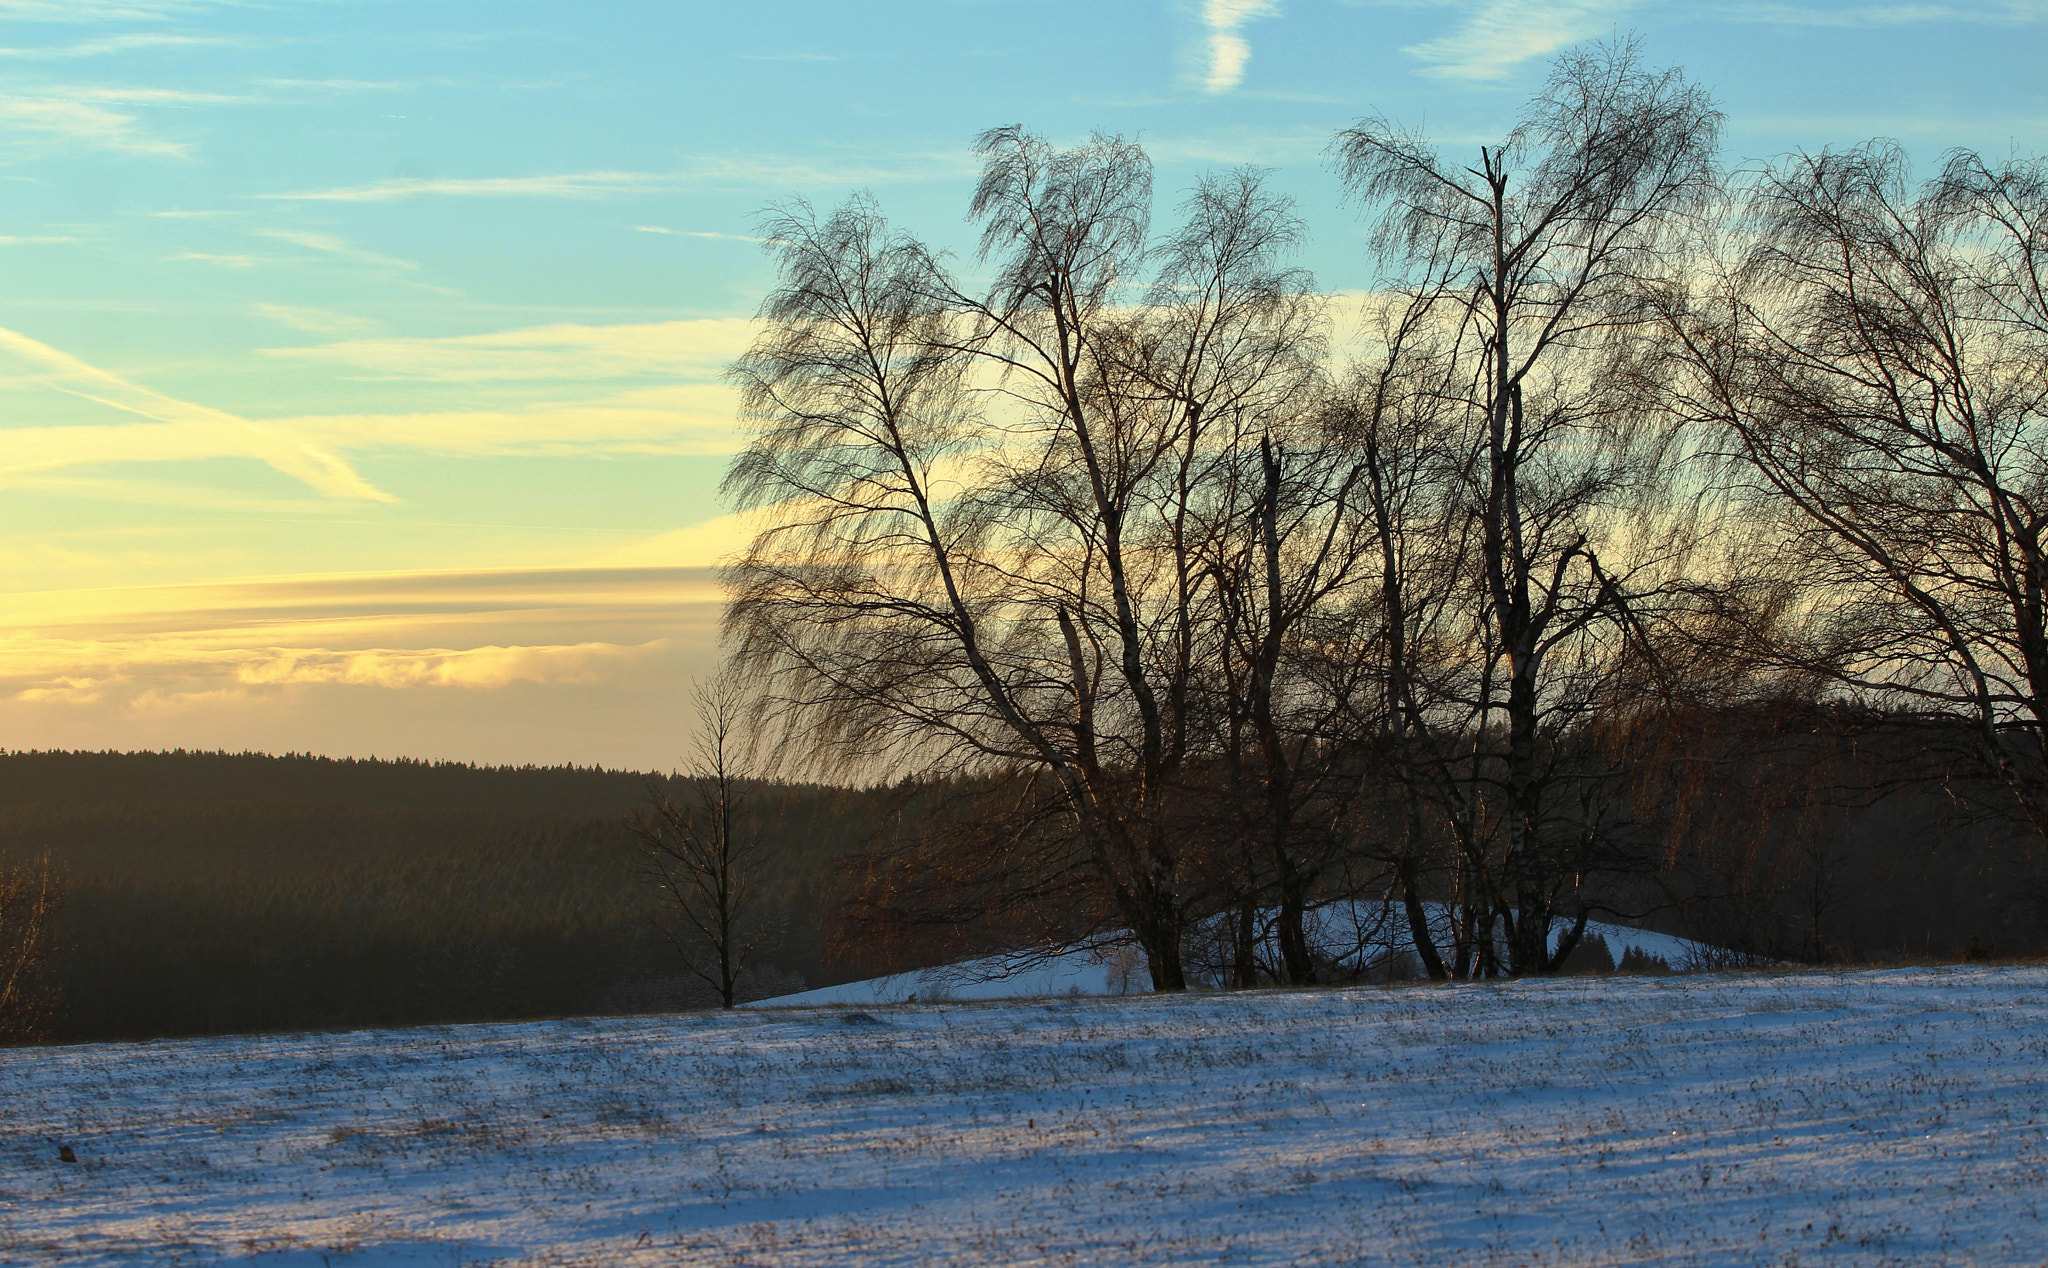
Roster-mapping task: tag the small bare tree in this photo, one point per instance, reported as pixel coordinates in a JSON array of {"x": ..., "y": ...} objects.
[
  {"x": 701, "y": 853},
  {"x": 27, "y": 901}
]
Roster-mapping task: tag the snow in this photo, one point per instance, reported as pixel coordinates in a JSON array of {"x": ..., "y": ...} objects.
[
  {"x": 1348, "y": 932},
  {"x": 1871, "y": 1117},
  {"x": 1078, "y": 972}
]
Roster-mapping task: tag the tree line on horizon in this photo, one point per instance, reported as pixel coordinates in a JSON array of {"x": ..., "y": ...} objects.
[
  {"x": 1651, "y": 522},
  {"x": 147, "y": 895}
]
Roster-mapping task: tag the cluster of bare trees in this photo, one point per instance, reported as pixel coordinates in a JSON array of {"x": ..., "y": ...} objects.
[{"x": 1223, "y": 626}]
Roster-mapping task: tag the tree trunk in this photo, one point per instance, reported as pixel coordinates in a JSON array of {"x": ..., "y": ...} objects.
[{"x": 1418, "y": 923}]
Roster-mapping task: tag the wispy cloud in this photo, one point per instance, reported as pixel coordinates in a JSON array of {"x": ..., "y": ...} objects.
[
  {"x": 491, "y": 666},
  {"x": 331, "y": 245},
  {"x": 316, "y": 321},
  {"x": 610, "y": 184},
  {"x": 14, "y": 240},
  {"x": 341, "y": 85},
  {"x": 110, "y": 45},
  {"x": 177, "y": 431},
  {"x": 43, "y": 121},
  {"x": 1494, "y": 38},
  {"x": 681, "y": 418},
  {"x": 2027, "y": 130},
  {"x": 473, "y": 668},
  {"x": 1226, "y": 51},
  {"x": 699, "y": 546},
  {"x": 2014, "y": 13},
  {"x": 696, "y": 233},
  {"x": 146, "y": 96},
  {"x": 79, "y": 12},
  {"x": 1265, "y": 147},
  {"x": 477, "y": 631},
  {"x": 229, "y": 261},
  {"x": 1498, "y": 36},
  {"x": 566, "y": 351},
  {"x": 568, "y": 185}
]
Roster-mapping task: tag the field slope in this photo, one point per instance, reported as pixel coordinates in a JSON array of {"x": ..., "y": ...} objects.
[{"x": 1870, "y": 1117}]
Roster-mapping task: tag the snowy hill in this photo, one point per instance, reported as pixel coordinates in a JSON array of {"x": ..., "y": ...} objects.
[
  {"x": 1712, "y": 1119},
  {"x": 1347, "y": 932}
]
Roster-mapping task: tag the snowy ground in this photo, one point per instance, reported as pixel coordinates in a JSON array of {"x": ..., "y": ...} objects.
[{"x": 1865, "y": 1118}]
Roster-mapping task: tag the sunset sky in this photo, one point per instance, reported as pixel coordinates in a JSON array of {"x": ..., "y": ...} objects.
[{"x": 359, "y": 359}]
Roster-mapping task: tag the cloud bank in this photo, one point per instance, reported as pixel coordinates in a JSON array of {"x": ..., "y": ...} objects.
[{"x": 570, "y": 664}]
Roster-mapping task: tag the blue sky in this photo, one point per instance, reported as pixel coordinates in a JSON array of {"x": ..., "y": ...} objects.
[{"x": 359, "y": 359}]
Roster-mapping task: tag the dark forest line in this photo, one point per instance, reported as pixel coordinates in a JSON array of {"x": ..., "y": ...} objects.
[{"x": 209, "y": 893}]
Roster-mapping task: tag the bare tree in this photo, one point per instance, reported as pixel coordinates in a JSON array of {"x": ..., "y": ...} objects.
[
  {"x": 1876, "y": 357},
  {"x": 701, "y": 852},
  {"x": 995, "y": 514},
  {"x": 28, "y": 900},
  {"x": 1527, "y": 270}
]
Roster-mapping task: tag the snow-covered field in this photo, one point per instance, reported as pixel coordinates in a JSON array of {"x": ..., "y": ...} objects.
[{"x": 1757, "y": 1118}]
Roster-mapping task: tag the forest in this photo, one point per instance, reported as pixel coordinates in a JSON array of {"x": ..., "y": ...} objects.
[{"x": 203, "y": 893}]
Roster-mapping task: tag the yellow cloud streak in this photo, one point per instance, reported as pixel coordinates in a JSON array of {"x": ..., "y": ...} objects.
[
  {"x": 476, "y": 631},
  {"x": 699, "y": 347},
  {"x": 181, "y": 430},
  {"x": 694, "y": 418}
]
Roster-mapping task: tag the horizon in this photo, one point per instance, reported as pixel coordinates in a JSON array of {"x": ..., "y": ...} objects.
[{"x": 363, "y": 359}]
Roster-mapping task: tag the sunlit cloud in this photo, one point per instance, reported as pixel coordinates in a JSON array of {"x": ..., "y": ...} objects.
[
  {"x": 692, "y": 348},
  {"x": 1226, "y": 50},
  {"x": 395, "y": 631},
  {"x": 178, "y": 430},
  {"x": 17, "y": 240},
  {"x": 704, "y": 545},
  {"x": 572, "y": 664},
  {"x": 472, "y": 668}
]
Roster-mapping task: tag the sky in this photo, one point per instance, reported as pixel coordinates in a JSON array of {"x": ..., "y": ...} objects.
[{"x": 360, "y": 360}]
